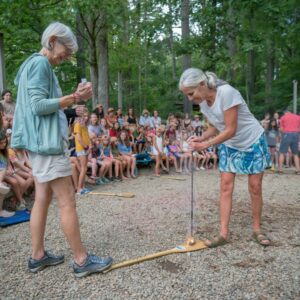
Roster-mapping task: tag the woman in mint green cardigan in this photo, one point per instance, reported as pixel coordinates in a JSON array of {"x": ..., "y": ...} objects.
[{"x": 40, "y": 127}]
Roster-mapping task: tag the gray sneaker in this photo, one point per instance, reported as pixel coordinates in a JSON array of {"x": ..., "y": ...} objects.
[
  {"x": 49, "y": 259},
  {"x": 93, "y": 264}
]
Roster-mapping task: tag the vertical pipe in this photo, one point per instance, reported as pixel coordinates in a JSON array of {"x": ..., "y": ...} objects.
[
  {"x": 2, "y": 67},
  {"x": 295, "y": 84}
]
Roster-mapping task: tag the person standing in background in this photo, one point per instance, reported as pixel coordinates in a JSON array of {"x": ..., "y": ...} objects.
[{"x": 290, "y": 128}]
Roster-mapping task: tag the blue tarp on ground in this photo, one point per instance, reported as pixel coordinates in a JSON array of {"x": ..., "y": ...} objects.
[
  {"x": 18, "y": 217},
  {"x": 143, "y": 159}
]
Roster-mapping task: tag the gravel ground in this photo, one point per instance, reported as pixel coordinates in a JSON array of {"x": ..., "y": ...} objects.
[{"x": 158, "y": 219}]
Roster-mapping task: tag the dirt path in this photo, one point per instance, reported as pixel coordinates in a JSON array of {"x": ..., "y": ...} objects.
[{"x": 158, "y": 219}]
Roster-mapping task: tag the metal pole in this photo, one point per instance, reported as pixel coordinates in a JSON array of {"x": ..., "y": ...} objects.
[
  {"x": 2, "y": 68},
  {"x": 192, "y": 201},
  {"x": 295, "y": 83}
]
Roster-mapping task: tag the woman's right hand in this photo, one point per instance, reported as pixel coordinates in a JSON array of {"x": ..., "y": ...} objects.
[
  {"x": 194, "y": 138},
  {"x": 85, "y": 91}
]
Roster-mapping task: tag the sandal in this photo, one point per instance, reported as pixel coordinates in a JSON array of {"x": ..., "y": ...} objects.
[
  {"x": 261, "y": 238},
  {"x": 216, "y": 242},
  {"x": 297, "y": 172}
]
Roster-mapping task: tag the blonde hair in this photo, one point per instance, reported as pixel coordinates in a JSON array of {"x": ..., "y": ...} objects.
[{"x": 63, "y": 34}]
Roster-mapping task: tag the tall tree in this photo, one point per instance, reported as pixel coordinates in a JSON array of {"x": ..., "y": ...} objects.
[{"x": 185, "y": 33}]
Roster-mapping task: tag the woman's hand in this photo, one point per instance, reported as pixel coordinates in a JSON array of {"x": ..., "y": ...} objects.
[
  {"x": 85, "y": 91},
  {"x": 194, "y": 138},
  {"x": 198, "y": 146}
]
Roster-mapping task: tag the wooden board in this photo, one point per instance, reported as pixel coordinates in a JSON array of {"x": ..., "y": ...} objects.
[{"x": 184, "y": 248}]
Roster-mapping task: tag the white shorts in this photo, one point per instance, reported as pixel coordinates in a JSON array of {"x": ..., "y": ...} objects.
[{"x": 46, "y": 168}]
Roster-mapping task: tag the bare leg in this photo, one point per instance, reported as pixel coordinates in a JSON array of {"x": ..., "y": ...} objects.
[
  {"x": 14, "y": 186},
  {"x": 74, "y": 176},
  {"x": 281, "y": 161},
  {"x": 94, "y": 167},
  {"x": 62, "y": 188},
  {"x": 157, "y": 164},
  {"x": 43, "y": 196},
  {"x": 255, "y": 190},
  {"x": 83, "y": 169},
  {"x": 133, "y": 165},
  {"x": 296, "y": 161},
  {"x": 227, "y": 185}
]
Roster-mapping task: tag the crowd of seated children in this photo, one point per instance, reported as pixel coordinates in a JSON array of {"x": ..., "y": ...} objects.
[{"x": 106, "y": 148}]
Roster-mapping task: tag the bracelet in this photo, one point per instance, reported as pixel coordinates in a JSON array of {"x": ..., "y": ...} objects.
[
  {"x": 211, "y": 144},
  {"x": 76, "y": 97}
]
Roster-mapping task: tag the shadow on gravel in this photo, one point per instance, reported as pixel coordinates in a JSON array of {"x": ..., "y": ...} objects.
[{"x": 170, "y": 267}]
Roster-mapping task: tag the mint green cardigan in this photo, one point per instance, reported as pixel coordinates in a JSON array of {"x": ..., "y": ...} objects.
[{"x": 36, "y": 121}]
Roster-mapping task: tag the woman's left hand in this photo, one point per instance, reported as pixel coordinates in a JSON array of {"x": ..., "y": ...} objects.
[
  {"x": 196, "y": 146},
  {"x": 85, "y": 91}
]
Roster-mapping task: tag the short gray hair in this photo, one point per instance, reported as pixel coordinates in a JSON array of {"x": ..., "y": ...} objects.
[
  {"x": 192, "y": 77},
  {"x": 63, "y": 34}
]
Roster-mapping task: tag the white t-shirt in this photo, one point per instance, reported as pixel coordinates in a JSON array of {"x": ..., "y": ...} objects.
[{"x": 248, "y": 128}]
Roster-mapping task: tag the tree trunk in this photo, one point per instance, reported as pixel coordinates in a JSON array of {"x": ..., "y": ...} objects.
[
  {"x": 251, "y": 75},
  {"x": 94, "y": 73},
  {"x": 120, "y": 90},
  {"x": 81, "y": 67},
  {"x": 89, "y": 30},
  {"x": 231, "y": 45},
  {"x": 140, "y": 89},
  {"x": 270, "y": 70},
  {"x": 2, "y": 67},
  {"x": 103, "y": 63},
  {"x": 211, "y": 63},
  {"x": 186, "y": 59},
  {"x": 171, "y": 41}
]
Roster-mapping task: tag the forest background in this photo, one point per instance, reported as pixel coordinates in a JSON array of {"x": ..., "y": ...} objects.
[{"x": 134, "y": 51}]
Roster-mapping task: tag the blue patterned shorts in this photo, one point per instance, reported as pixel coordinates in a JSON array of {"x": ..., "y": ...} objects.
[{"x": 253, "y": 160}]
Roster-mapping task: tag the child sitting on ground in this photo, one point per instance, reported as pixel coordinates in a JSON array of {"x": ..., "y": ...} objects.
[
  {"x": 125, "y": 151},
  {"x": 211, "y": 154},
  {"x": 186, "y": 155},
  {"x": 95, "y": 160},
  {"x": 115, "y": 131},
  {"x": 157, "y": 151},
  {"x": 10, "y": 176},
  {"x": 94, "y": 126},
  {"x": 106, "y": 152},
  {"x": 174, "y": 153},
  {"x": 140, "y": 140},
  {"x": 4, "y": 189}
]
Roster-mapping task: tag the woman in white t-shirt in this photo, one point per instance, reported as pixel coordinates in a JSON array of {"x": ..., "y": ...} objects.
[{"x": 241, "y": 140}]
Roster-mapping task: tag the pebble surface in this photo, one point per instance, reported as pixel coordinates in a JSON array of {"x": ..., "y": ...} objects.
[{"x": 156, "y": 219}]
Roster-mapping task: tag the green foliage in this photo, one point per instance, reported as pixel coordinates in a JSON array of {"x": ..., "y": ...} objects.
[{"x": 139, "y": 45}]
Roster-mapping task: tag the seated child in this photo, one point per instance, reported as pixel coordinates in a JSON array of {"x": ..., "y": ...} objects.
[
  {"x": 186, "y": 154},
  {"x": 9, "y": 176},
  {"x": 141, "y": 139},
  {"x": 174, "y": 153},
  {"x": 211, "y": 154},
  {"x": 106, "y": 152},
  {"x": 157, "y": 152},
  {"x": 125, "y": 151}
]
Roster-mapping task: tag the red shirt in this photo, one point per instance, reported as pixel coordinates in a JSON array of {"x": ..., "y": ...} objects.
[
  {"x": 290, "y": 122},
  {"x": 113, "y": 132}
]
